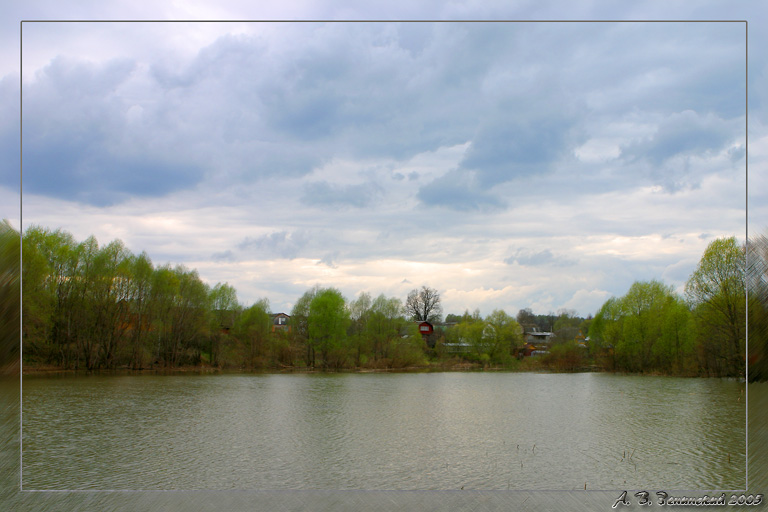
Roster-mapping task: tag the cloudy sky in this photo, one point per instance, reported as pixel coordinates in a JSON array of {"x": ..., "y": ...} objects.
[{"x": 506, "y": 164}]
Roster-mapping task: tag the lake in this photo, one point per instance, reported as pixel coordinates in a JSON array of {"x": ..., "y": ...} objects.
[{"x": 380, "y": 431}]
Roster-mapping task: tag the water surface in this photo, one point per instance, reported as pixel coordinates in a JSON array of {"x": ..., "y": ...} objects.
[{"x": 429, "y": 431}]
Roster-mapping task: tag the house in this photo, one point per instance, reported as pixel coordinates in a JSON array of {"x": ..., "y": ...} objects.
[
  {"x": 426, "y": 329},
  {"x": 538, "y": 338},
  {"x": 536, "y": 343},
  {"x": 280, "y": 322}
]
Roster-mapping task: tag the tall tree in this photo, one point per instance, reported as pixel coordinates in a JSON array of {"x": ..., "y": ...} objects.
[
  {"x": 299, "y": 323},
  {"x": 327, "y": 325},
  {"x": 424, "y": 305},
  {"x": 360, "y": 314},
  {"x": 504, "y": 334},
  {"x": 757, "y": 285},
  {"x": 717, "y": 292},
  {"x": 384, "y": 324},
  {"x": 10, "y": 306},
  {"x": 225, "y": 309},
  {"x": 140, "y": 269},
  {"x": 645, "y": 330},
  {"x": 252, "y": 329},
  {"x": 526, "y": 319}
]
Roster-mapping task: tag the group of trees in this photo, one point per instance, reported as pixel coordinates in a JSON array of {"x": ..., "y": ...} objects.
[
  {"x": 495, "y": 339},
  {"x": 89, "y": 306},
  {"x": 653, "y": 329},
  {"x": 365, "y": 332},
  {"x": 9, "y": 297}
]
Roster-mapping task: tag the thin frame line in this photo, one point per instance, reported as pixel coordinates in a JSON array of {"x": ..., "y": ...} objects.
[
  {"x": 746, "y": 243},
  {"x": 21, "y": 253},
  {"x": 380, "y": 21}
]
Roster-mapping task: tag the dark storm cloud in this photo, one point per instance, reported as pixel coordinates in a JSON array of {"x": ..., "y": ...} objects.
[
  {"x": 101, "y": 179},
  {"x": 74, "y": 130}
]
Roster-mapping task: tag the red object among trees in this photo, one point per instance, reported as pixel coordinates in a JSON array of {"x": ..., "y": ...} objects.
[{"x": 425, "y": 328}]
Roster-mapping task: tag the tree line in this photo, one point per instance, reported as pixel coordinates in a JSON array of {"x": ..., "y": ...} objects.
[
  {"x": 653, "y": 329},
  {"x": 88, "y": 307}
]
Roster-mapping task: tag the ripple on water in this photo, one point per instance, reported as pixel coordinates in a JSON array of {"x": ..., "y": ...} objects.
[{"x": 401, "y": 431}]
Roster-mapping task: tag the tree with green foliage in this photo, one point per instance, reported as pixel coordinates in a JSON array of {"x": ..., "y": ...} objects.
[
  {"x": 642, "y": 308},
  {"x": 566, "y": 326},
  {"x": 299, "y": 323},
  {"x": 252, "y": 330},
  {"x": 49, "y": 276},
  {"x": 604, "y": 333},
  {"x": 716, "y": 292},
  {"x": 757, "y": 286},
  {"x": 675, "y": 351},
  {"x": 140, "y": 269},
  {"x": 408, "y": 350},
  {"x": 472, "y": 331},
  {"x": 384, "y": 324},
  {"x": 504, "y": 336},
  {"x": 647, "y": 329},
  {"x": 327, "y": 327},
  {"x": 10, "y": 307},
  {"x": 225, "y": 309},
  {"x": 360, "y": 313}
]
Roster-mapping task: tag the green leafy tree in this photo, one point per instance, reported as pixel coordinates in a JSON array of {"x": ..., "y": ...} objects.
[
  {"x": 180, "y": 300},
  {"x": 605, "y": 331},
  {"x": 10, "y": 306},
  {"x": 474, "y": 332},
  {"x": 360, "y": 314},
  {"x": 503, "y": 334},
  {"x": 49, "y": 276},
  {"x": 81, "y": 311},
  {"x": 757, "y": 285},
  {"x": 252, "y": 329},
  {"x": 384, "y": 325},
  {"x": 676, "y": 349},
  {"x": 717, "y": 293},
  {"x": 642, "y": 308},
  {"x": 140, "y": 269},
  {"x": 566, "y": 326},
  {"x": 299, "y": 323},
  {"x": 648, "y": 329},
  {"x": 327, "y": 327},
  {"x": 110, "y": 298},
  {"x": 225, "y": 309}
]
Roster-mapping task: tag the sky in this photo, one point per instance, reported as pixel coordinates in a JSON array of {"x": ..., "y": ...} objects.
[{"x": 507, "y": 164}]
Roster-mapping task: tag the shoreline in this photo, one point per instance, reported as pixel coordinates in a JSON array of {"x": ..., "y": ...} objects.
[
  {"x": 31, "y": 370},
  {"x": 54, "y": 371},
  {"x": 44, "y": 370}
]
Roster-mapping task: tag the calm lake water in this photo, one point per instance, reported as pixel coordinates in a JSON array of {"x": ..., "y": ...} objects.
[{"x": 425, "y": 431}]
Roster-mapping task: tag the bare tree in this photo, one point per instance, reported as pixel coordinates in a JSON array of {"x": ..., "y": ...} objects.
[{"x": 424, "y": 305}]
